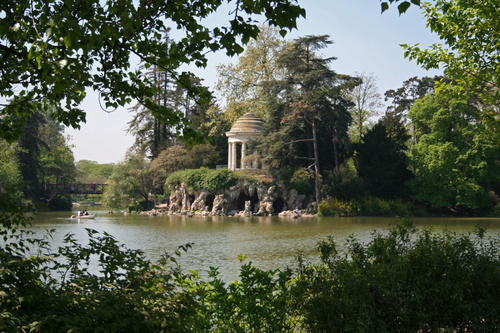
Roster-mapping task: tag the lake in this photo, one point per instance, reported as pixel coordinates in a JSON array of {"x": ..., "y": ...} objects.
[{"x": 269, "y": 242}]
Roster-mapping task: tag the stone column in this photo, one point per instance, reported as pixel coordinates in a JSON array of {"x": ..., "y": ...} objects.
[
  {"x": 229, "y": 155},
  {"x": 243, "y": 152},
  {"x": 233, "y": 156}
]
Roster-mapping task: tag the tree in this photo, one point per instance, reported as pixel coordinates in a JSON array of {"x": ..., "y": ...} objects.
[
  {"x": 150, "y": 134},
  {"x": 93, "y": 172},
  {"x": 130, "y": 185},
  {"x": 245, "y": 85},
  {"x": 381, "y": 161},
  {"x": 154, "y": 135},
  {"x": 56, "y": 157},
  {"x": 10, "y": 175},
  {"x": 456, "y": 159},
  {"x": 404, "y": 97},
  {"x": 402, "y": 7},
  {"x": 315, "y": 115},
  {"x": 53, "y": 51},
  {"x": 366, "y": 101},
  {"x": 169, "y": 160},
  {"x": 470, "y": 54},
  {"x": 28, "y": 155},
  {"x": 178, "y": 157},
  {"x": 216, "y": 123},
  {"x": 44, "y": 157}
]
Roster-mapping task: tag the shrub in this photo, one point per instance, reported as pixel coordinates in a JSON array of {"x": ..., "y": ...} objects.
[
  {"x": 369, "y": 206},
  {"x": 496, "y": 211},
  {"x": 203, "y": 179},
  {"x": 406, "y": 281},
  {"x": 336, "y": 207},
  {"x": 373, "y": 206},
  {"x": 56, "y": 292}
]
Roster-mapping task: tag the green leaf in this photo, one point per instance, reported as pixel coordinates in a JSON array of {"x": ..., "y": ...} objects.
[
  {"x": 403, "y": 7},
  {"x": 384, "y": 6},
  {"x": 67, "y": 41},
  {"x": 39, "y": 61}
]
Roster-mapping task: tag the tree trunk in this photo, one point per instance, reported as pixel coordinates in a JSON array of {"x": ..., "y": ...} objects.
[
  {"x": 334, "y": 144},
  {"x": 317, "y": 185}
]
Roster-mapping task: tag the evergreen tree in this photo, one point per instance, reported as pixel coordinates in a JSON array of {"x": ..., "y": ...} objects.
[
  {"x": 381, "y": 160},
  {"x": 313, "y": 129}
]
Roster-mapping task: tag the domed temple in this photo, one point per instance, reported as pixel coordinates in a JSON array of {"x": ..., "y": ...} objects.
[{"x": 245, "y": 128}]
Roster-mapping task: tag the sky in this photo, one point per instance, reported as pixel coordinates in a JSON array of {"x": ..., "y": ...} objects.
[{"x": 365, "y": 41}]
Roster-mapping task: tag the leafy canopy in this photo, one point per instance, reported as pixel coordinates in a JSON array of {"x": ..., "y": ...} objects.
[
  {"x": 52, "y": 51},
  {"x": 469, "y": 56},
  {"x": 455, "y": 158}
]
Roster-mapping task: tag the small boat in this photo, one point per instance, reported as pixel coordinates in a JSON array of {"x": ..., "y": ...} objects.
[{"x": 90, "y": 216}]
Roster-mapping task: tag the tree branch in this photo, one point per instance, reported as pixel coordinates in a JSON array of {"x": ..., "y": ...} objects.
[
  {"x": 300, "y": 140},
  {"x": 304, "y": 158}
]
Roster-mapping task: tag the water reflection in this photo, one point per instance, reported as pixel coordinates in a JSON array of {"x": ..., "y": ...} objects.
[{"x": 269, "y": 242}]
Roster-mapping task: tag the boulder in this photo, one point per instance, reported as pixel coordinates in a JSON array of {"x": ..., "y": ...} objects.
[{"x": 200, "y": 202}]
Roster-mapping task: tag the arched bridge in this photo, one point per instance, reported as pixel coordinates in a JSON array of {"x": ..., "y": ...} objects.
[{"x": 75, "y": 188}]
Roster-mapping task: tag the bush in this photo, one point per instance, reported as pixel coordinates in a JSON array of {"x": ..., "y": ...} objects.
[
  {"x": 496, "y": 211},
  {"x": 203, "y": 179},
  {"x": 369, "y": 206},
  {"x": 406, "y": 281},
  {"x": 373, "y": 206},
  {"x": 336, "y": 207},
  {"x": 56, "y": 292}
]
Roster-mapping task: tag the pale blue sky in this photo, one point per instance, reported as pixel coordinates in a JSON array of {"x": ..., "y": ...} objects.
[{"x": 364, "y": 41}]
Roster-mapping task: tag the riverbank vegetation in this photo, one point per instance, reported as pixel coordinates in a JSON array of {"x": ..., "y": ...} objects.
[{"x": 406, "y": 280}]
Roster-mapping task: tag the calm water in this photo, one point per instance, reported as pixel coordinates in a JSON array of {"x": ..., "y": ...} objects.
[{"x": 269, "y": 242}]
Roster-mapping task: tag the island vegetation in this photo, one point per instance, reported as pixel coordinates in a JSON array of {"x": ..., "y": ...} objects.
[{"x": 435, "y": 149}]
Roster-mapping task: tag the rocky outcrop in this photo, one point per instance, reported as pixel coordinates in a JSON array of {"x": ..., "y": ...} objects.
[
  {"x": 218, "y": 205},
  {"x": 200, "y": 203},
  {"x": 266, "y": 205},
  {"x": 242, "y": 199},
  {"x": 175, "y": 199}
]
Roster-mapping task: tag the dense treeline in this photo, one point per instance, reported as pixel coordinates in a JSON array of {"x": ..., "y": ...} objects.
[
  {"x": 326, "y": 134},
  {"x": 39, "y": 157}
]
